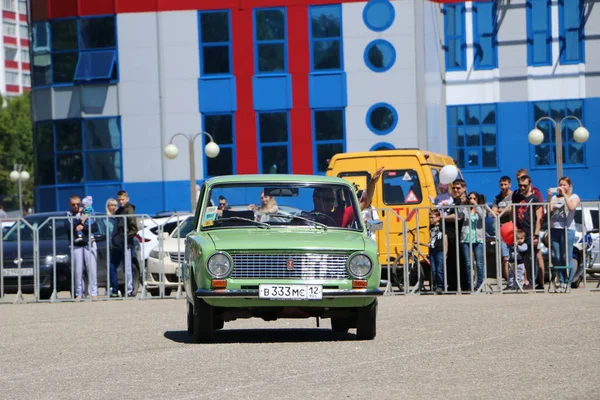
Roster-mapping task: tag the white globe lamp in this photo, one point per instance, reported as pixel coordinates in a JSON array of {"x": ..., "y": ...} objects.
[
  {"x": 535, "y": 137},
  {"x": 211, "y": 149},
  {"x": 14, "y": 176},
  {"x": 581, "y": 135},
  {"x": 25, "y": 176},
  {"x": 171, "y": 151}
]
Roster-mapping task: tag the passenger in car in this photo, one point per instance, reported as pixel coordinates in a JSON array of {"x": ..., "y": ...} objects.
[{"x": 268, "y": 205}]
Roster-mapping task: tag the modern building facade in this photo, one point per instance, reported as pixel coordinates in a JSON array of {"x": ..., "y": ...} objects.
[
  {"x": 15, "y": 78},
  {"x": 510, "y": 64},
  {"x": 283, "y": 85}
]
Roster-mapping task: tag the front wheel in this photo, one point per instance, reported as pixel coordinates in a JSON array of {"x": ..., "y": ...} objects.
[
  {"x": 340, "y": 325},
  {"x": 366, "y": 322},
  {"x": 204, "y": 321}
]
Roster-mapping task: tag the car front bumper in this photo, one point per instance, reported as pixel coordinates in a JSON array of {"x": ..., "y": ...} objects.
[{"x": 253, "y": 293}]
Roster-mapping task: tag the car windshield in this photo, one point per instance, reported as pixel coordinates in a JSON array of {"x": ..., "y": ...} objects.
[
  {"x": 61, "y": 229},
  {"x": 184, "y": 228},
  {"x": 274, "y": 205}
]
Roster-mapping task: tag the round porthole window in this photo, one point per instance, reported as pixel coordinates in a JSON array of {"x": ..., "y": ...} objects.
[
  {"x": 382, "y": 118},
  {"x": 380, "y": 55},
  {"x": 378, "y": 15}
]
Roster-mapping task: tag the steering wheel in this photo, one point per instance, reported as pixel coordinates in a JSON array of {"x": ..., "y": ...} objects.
[{"x": 320, "y": 214}]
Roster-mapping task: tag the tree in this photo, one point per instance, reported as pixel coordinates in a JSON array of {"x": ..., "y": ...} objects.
[{"x": 16, "y": 147}]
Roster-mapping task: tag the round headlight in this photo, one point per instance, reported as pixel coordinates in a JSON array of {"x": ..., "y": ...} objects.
[
  {"x": 219, "y": 265},
  {"x": 360, "y": 266}
]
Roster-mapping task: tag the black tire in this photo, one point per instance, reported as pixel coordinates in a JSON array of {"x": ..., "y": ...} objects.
[
  {"x": 190, "y": 318},
  {"x": 340, "y": 325},
  {"x": 578, "y": 278},
  {"x": 204, "y": 321},
  {"x": 45, "y": 294},
  {"x": 366, "y": 322}
]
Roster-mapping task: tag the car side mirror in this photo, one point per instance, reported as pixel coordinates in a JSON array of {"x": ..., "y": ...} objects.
[
  {"x": 99, "y": 237},
  {"x": 374, "y": 224}
]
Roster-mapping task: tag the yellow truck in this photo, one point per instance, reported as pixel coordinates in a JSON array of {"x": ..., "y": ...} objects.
[{"x": 402, "y": 196}]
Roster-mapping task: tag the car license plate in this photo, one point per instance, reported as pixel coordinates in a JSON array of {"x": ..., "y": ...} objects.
[
  {"x": 17, "y": 271},
  {"x": 290, "y": 292}
]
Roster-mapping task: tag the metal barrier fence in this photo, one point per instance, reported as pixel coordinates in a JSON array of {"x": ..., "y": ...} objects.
[
  {"x": 406, "y": 263},
  {"x": 38, "y": 262},
  {"x": 42, "y": 258}
]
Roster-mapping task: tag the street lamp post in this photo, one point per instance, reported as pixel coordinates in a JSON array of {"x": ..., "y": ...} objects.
[
  {"x": 536, "y": 137},
  {"x": 211, "y": 150},
  {"x": 19, "y": 175}
]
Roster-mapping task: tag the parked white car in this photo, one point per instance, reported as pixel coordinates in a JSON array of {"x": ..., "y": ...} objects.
[
  {"x": 149, "y": 229},
  {"x": 166, "y": 262}
]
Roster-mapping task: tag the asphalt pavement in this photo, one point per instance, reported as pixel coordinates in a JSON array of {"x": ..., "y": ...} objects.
[{"x": 518, "y": 346}]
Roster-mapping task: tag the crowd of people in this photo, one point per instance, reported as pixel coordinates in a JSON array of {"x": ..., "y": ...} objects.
[{"x": 463, "y": 214}]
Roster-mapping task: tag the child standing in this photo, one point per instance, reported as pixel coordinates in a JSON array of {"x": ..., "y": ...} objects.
[
  {"x": 516, "y": 259},
  {"x": 436, "y": 249}
]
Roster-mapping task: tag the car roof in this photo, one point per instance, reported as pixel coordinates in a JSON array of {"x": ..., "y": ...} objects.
[{"x": 275, "y": 178}]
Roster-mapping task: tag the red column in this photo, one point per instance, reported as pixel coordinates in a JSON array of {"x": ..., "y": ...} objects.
[
  {"x": 299, "y": 68},
  {"x": 243, "y": 69}
]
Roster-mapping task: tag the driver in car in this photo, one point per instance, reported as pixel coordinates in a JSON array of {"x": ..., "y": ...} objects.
[{"x": 325, "y": 211}]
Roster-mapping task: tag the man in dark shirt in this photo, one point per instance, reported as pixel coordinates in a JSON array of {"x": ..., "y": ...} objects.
[
  {"x": 522, "y": 207},
  {"x": 502, "y": 206},
  {"x": 451, "y": 223}
]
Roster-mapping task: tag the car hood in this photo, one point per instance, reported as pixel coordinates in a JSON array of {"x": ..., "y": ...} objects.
[
  {"x": 287, "y": 239},
  {"x": 10, "y": 249},
  {"x": 173, "y": 245}
]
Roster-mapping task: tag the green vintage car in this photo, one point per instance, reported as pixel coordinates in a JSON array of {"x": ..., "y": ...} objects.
[{"x": 273, "y": 246}]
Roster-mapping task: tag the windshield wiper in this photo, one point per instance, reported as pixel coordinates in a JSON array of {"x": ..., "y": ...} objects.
[
  {"x": 257, "y": 223},
  {"x": 292, "y": 216}
]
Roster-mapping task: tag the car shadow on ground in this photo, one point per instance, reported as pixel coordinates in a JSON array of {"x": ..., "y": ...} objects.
[{"x": 267, "y": 336}]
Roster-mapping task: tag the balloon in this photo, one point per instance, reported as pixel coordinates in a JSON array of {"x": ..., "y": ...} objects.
[
  {"x": 448, "y": 174},
  {"x": 507, "y": 232}
]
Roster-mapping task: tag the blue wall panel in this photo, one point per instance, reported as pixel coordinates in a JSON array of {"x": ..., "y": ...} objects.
[
  {"x": 328, "y": 90},
  {"x": 148, "y": 197},
  {"x": 217, "y": 94},
  {"x": 272, "y": 92},
  {"x": 515, "y": 120}
]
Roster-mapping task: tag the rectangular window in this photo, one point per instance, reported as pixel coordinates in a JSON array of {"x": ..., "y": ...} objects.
[
  {"x": 74, "y": 49},
  {"x": 485, "y": 43},
  {"x": 221, "y": 128},
  {"x": 8, "y": 5},
  {"x": 83, "y": 150},
  {"x": 10, "y": 54},
  {"x": 329, "y": 136},
  {"x": 573, "y": 152},
  {"x": 274, "y": 142},
  {"x": 215, "y": 43},
  {"x": 326, "y": 38},
  {"x": 570, "y": 24},
  {"x": 22, "y": 7},
  {"x": 12, "y": 78},
  {"x": 539, "y": 32},
  {"x": 26, "y": 80},
  {"x": 270, "y": 33},
  {"x": 455, "y": 37},
  {"x": 9, "y": 28},
  {"x": 25, "y": 56},
  {"x": 24, "y": 31},
  {"x": 472, "y": 136}
]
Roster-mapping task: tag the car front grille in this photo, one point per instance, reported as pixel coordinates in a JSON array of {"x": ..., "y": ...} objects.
[
  {"x": 177, "y": 257},
  {"x": 301, "y": 266}
]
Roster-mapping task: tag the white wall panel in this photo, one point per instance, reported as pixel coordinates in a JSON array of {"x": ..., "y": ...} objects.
[
  {"x": 397, "y": 86},
  {"x": 180, "y": 70},
  {"x": 141, "y": 143},
  {"x": 138, "y": 92}
]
